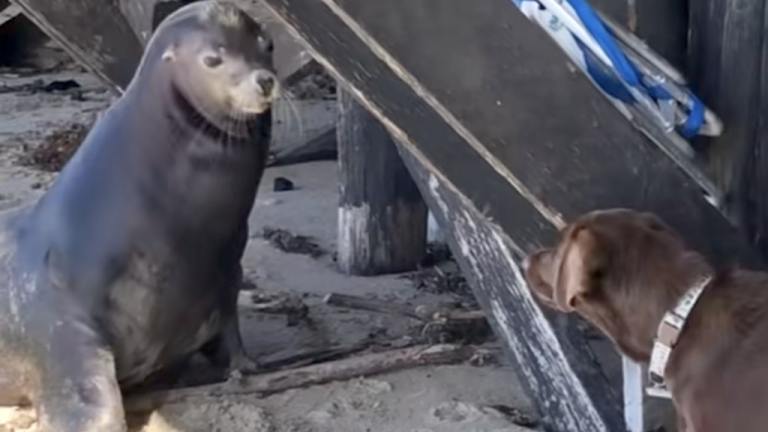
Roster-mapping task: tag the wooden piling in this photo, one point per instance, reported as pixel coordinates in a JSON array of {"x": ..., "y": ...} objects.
[{"x": 382, "y": 217}]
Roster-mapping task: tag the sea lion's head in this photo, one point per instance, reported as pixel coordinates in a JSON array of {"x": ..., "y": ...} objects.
[{"x": 218, "y": 58}]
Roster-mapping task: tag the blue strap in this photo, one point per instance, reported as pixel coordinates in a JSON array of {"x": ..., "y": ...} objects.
[
  {"x": 658, "y": 92},
  {"x": 595, "y": 26},
  {"x": 695, "y": 119},
  {"x": 626, "y": 72},
  {"x": 603, "y": 77}
]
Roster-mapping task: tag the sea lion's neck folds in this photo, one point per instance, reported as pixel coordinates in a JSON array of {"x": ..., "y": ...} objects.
[{"x": 184, "y": 111}]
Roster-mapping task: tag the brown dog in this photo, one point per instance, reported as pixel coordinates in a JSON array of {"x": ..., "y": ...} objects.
[{"x": 622, "y": 270}]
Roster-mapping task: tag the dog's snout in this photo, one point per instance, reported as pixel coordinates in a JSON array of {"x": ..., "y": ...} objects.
[{"x": 526, "y": 264}]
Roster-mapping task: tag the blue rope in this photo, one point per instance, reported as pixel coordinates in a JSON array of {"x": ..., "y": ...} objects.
[{"x": 625, "y": 70}]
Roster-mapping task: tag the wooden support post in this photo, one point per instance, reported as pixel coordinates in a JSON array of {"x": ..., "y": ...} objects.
[
  {"x": 728, "y": 62},
  {"x": 382, "y": 218},
  {"x": 434, "y": 232},
  {"x": 641, "y": 412},
  {"x": 634, "y": 395}
]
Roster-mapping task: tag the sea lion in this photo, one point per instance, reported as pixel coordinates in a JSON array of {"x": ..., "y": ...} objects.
[{"x": 130, "y": 262}]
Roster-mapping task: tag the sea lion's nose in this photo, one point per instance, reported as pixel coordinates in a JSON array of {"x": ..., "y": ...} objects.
[{"x": 266, "y": 83}]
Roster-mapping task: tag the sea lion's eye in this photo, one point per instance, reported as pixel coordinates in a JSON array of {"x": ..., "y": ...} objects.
[
  {"x": 212, "y": 61},
  {"x": 266, "y": 44}
]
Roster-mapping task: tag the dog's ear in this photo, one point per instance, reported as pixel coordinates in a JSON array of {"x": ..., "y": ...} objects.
[{"x": 582, "y": 266}]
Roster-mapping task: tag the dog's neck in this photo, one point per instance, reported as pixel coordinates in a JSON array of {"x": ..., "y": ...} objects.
[{"x": 669, "y": 286}]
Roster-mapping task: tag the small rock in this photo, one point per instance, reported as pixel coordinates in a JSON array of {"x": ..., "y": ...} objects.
[
  {"x": 63, "y": 85},
  {"x": 289, "y": 305},
  {"x": 514, "y": 415},
  {"x": 282, "y": 184},
  {"x": 290, "y": 243},
  {"x": 455, "y": 412},
  {"x": 248, "y": 285},
  {"x": 483, "y": 358},
  {"x": 268, "y": 202},
  {"x": 375, "y": 386}
]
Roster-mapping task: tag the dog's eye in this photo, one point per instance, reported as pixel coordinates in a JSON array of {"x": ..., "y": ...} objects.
[
  {"x": 213, "y": 61},
  {"x": 597, "y": 274},
  {"x": 266, "y": 44}
]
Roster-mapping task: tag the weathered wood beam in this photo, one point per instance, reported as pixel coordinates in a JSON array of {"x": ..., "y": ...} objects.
[
  {"x": 727, "y": 59},
  {"x": 382, "y": 226},
  {"x": 756, "y": 173},
  {"x": 8, "y": 12},
  {"x": 110, "y": 42},
  {"x": 292, "y": 60},
  {"x": 506, "y": 144},
  {"x": 96, "y": 34}
]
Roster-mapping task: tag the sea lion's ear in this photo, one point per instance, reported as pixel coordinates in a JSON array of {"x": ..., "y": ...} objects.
[
  {"x": 170, "y": 54},
  {"x": 265, "y": 44}
]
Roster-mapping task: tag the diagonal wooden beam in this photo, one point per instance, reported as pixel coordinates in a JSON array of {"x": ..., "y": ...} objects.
[
  {"x": 95, "y": 33},
  {"x": 10, "y": 12}
]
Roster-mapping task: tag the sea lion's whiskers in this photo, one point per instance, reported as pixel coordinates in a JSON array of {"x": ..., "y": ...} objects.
[{"x": 295, "y": 117}]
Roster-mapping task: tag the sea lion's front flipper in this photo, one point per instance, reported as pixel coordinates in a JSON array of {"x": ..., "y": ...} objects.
[
  {"x": 239, "y": 360},
  {"x": 79, "y": 391},
  {"x": 226, "y": 350}
]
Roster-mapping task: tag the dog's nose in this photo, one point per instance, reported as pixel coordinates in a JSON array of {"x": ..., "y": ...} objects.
[{"x": 266, "y": 83}]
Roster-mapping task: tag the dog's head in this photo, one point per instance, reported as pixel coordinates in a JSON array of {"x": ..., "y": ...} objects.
[{"x": 619, "y": 269}]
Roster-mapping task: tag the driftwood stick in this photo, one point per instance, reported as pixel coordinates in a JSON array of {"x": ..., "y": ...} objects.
[
  {"x": 310, "y": 356},
  {"x": 371, "y": 305},
  {"x": 425, "y": 314},
  {"x": 271, "y": 383}
]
